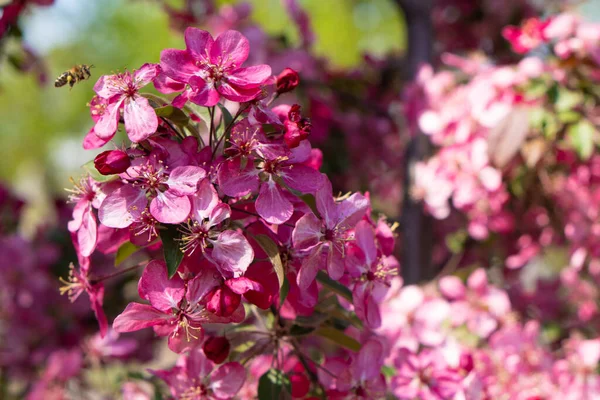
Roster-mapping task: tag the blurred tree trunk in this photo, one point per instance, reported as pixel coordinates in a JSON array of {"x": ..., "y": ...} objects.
[{"x": 417, "y": 240}]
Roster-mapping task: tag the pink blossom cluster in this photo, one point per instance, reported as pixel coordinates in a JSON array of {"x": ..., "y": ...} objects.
[
  {"x": 348, "y": 122},
  {"x": 464, "y": 341},
  {"x": 222, "y": 190},
  {"x": 488, "y": 121}
]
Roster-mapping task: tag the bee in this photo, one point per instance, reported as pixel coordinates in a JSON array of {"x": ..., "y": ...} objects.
[{"x": 77, "y": 73}]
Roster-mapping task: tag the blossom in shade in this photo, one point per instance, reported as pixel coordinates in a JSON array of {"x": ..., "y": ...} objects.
[
  {"x": 371, "y": 272},
  {"x": 359, "y": 376},
  {"x": 228, "y": 249},
  {"x": 328, "y": 234},
  {"x": 77, "y": 283},
  {"x": 86, "y": 195},
  {"x": 177, "y": 307},
  {"x": 424, "y": 376},
  {"x": 195, "y": 378}
]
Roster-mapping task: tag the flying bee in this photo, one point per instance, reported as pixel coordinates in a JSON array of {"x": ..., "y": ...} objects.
[{"x": 77, "y": 73}]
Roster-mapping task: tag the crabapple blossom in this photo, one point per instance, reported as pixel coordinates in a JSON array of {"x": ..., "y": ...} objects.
[
  {"x": 121, "y": 92},
  {"x": 212, "y": 68}
]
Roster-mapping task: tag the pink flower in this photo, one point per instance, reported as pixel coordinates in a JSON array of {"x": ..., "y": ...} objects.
[
  {"x": 372, "y": 273},
  {"x": 239, "y": 177},
  {"x": 361, "y": 375},
  {"x": 195, "y": 378},
  {"x": 149, "y": 177},
  {"x": 177, "y": 309},
  {"x": 228, "y": 249},
  {"x": 122, "y": 92},
  {"x": 329, "y": 234},
  {"x": 98, "y": 107},
  {"x": 87, "y": 196},
  {"x": 77, "y": 283},
  {"x": 212, "y": 68},
  {"x": 424, "y": 376},
  {"x": 111, "y": 345},
  {"x": 528, "y": 37}
]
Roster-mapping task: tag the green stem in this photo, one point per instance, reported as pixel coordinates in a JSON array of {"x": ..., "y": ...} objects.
[
  {"x": 211, "y": 112},
  {"x": 228, "y": 127},
  {"x": 121, "y": 272}
]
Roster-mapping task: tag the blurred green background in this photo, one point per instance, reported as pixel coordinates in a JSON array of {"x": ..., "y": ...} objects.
[{"x": 42, "y": 127}]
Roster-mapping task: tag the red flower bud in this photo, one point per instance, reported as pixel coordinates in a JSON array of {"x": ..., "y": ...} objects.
[
  {"x": 216, "y": 349},
  {"x": 223, "y": 301},
  {"x": 294, "y": 113},
  {"x": 287, "y": 80},
  {"x": 466, "y": 362},
  {"x": 112, "y": 162},
  {"x": 297, "y": 128}
]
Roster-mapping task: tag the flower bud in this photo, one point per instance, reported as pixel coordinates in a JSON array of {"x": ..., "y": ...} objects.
[
  {"x": 112, "y": 162},
  {"x": 287, "y": 81},
  {"x": 216, "y": 349},
  {"x": 223, "y": 302}
]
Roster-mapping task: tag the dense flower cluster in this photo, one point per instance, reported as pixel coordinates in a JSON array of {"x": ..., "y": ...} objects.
[
  {"x": 262, "y": 282},
  {"x": 349, "y": 110},
  {"x": 229, "y": 186}
]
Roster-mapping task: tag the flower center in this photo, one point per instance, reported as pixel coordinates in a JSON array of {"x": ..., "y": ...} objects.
[{"x": 194, "y": 392}]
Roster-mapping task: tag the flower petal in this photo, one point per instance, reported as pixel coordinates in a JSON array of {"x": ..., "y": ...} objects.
[
  {"x": 107, "y": 124},
  {"x": 156, "y": 287},
  {"x": 235, "y": 181},
  {"x": 178, "y": 65},
  {"x": 183, "y": 181},
  {"x": 232, "y": 252},
  {"x": 140, "y": 118},
  {"x": 145, "y": 74},
  {"x": 138, "y": 316},
  {"x": 205, "y": 200},
  {"x": 169, "y": 208},
  {"x": 302, "y": 178},
  {"x": 123, "y": 206},
  {"x": 87, "y": 235},
  {"x": 231, "y": 48},
  {"x": 307, "y": 232},
  {"x": 227, "y": 380},
  {"x": 198, "y": 42},
  {"x": 272, "y": 205},
  {"x": 249, "y": 78}
]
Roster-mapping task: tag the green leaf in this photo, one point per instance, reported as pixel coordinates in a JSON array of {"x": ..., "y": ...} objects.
[
  {"x": 334, "y": 286},
  {"x": 270, "y": 247},
  {"x": 227, "y": 117},
  {"x": 173, "y": 254},
  {"x": 90, "y": 168},
  {"x": 567, "y": 99},
  {"x": 298, "y": 330},
  {"x": 283, "y": 291},
  {"x": 581, "y": 138},
  {"x": 274, "y": 384},
  {"x": 173, "y": 114},
  {"x": 388, "y": 371},
  {"x": 201, "y": 112},
  {"x": 568, "y": 117},
  {"x": 125, "y": 250},
  {"x": 338, "y": 337},
  {"x": 456, "y": 241},
  {"x": 311, "y": 202}
]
